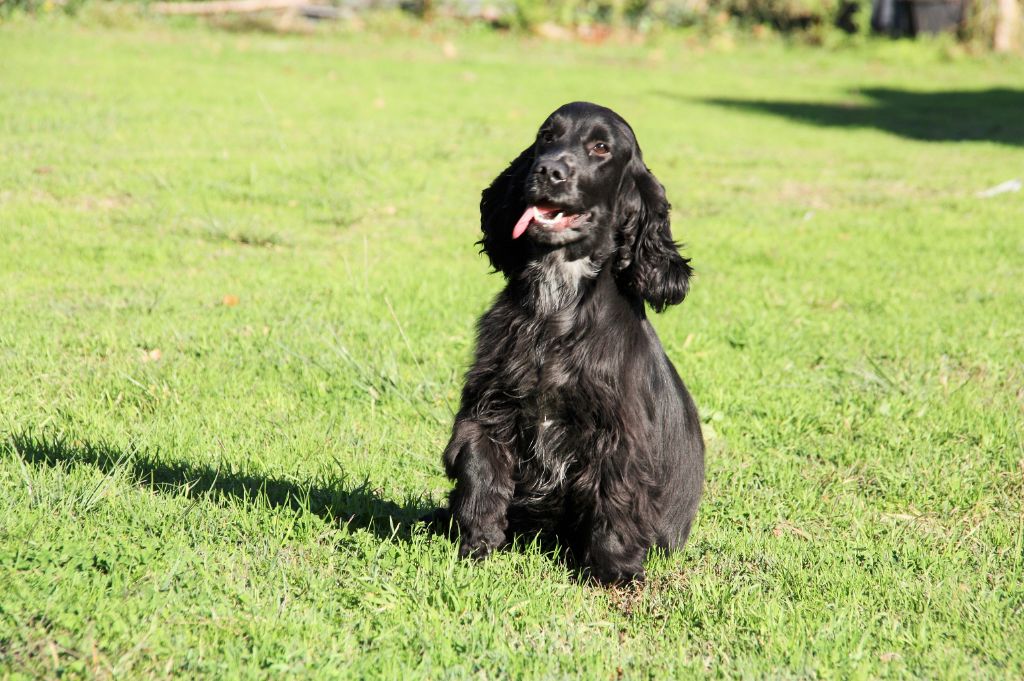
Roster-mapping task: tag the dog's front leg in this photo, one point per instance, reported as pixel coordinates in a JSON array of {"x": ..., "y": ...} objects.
[
  {"x": 613, "y": 556},
  {"x": 620, "y": 533},
  {"x": 483, "y": 488}
]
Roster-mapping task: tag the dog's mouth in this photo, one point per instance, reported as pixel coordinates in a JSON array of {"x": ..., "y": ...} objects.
[{"x": 546, "y": 217}]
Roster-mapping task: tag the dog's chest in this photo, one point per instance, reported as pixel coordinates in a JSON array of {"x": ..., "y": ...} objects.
[{"x": 547, "y": 424}]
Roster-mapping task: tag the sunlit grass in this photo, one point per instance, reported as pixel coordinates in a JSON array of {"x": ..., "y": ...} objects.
[{"x": 238, "y": 286}]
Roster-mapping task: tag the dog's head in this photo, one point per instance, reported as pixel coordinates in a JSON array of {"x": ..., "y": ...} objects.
[{"x": 582, "y": 187}]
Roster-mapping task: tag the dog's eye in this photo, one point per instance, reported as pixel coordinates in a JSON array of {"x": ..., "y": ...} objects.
[
  {"x": 600, "y": 149},
  {"x": 547, "y": 137}
]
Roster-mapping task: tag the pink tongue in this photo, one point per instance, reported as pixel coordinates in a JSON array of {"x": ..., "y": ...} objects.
[{"x": 523, "y": 223}]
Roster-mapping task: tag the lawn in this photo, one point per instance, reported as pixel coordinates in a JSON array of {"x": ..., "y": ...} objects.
[{"x": 238, "y": 287}]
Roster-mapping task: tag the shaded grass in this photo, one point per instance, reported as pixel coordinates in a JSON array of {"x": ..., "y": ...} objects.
[
  {"x": 238, "y": 288},
  {"x": 946, "y": 115}
]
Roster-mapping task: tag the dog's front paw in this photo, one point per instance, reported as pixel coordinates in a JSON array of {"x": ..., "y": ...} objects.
[
  {"x": 479, "y": 545},
  {"x": 618, "y": 575},
  {"x": 611, "y": 560}
]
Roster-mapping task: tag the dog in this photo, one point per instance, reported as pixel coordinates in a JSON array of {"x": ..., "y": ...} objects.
[{"x": 573, "y": 422}]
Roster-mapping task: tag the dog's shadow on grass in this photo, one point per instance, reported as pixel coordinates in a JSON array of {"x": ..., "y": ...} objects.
[{"x": 359, "y": 506}]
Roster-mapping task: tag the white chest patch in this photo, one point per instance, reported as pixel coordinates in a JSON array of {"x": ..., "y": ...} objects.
[{"x": 556, "y": 281}]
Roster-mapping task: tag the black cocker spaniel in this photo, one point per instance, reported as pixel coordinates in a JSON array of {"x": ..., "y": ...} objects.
[{"x": 573, "y": 423}]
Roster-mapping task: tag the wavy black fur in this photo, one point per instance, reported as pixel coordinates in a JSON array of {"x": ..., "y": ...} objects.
[{"x": 573, "y": 421}]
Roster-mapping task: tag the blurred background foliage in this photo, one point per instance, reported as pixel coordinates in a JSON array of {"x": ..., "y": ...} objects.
[{"x": 971, "y": 23}]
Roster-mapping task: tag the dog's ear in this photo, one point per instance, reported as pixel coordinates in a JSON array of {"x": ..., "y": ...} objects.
[
  {"x": 648, "y": 262},
  {"x": 501, "y": 205}
]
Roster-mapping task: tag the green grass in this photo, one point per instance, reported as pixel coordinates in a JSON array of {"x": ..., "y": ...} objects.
[{"x": 191, "y": 487}]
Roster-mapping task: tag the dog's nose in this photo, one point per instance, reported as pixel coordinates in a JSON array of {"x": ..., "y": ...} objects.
[{"x": 556, "y": 170}]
